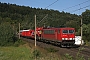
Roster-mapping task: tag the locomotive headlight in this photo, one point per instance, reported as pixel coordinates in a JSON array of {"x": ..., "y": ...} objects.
[
  {"x": 66, "y": 38},
  {"x": 63, "y": 39},
  {"x": 71, "y": 38}
]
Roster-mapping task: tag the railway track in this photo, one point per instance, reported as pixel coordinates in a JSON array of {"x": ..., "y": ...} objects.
[{"x": 81, "y": 52}]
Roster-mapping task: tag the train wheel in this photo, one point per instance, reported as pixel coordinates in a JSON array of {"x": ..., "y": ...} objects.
[{"x": 62, "y": 45}]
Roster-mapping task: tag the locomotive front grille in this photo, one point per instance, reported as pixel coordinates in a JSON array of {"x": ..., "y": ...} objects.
[{"x": 68, "y": 41}]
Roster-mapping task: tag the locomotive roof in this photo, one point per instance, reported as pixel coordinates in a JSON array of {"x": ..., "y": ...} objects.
[{"x": 60, "y": 28}]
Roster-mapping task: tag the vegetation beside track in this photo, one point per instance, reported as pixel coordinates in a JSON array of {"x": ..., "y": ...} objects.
[
  {"x": 27, "y": 51},
  {"x": 24, "y": 52}
]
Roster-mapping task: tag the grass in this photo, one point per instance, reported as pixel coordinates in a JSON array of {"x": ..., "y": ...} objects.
[
  {"x": 15, "y": 53},
  {"x": 87, "y": 43},
  {"x": 24, "y": 52},
  {"x": 27, "y": 52}
]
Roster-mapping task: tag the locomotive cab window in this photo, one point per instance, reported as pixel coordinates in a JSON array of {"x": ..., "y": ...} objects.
[
  {"x": 64, "y": 31},
  {"x": 68, "y": 31},
  {"x": 71, "y": 31}
]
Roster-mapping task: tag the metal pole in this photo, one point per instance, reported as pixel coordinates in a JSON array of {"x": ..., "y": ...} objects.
[
  {"x": 35, "y": 36},
  {"x": 19, "y": 30},
  {"x": 35, "y": 30},
  {"x": 81, "y": 29}
]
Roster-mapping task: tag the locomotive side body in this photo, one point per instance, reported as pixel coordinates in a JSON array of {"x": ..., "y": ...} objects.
[
  {"x": 64, "y": 36},
  {"x": 50, "y": 34}
]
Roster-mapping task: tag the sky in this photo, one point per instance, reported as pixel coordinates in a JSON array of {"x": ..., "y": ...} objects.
[{"x": 70, "y": 6}]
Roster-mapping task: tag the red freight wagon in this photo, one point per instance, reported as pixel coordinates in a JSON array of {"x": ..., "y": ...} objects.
[
  {"x": 30, "y": 34},
  {"x": 27, "y": 33},
  {"x": 23, "y": 32},
  {"x": 64, "y": 36}
]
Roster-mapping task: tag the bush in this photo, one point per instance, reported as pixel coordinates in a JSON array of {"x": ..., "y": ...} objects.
[
  {"x": 36, "y": 53},
  {"x": 51, "y": 50},
  {"x": 7, "y": 35},
  {"x": 18, "y": 43}
]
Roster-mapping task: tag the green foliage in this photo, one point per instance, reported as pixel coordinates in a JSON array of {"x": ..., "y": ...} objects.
[
  {"x": 14, "y": 14},
  {"x": 18, "y": 43},
  {"x": 7, "y": 35},
  {"x": 51, "y": 50},
  {"x": 73, "y": 23},
  {"x": 68, "y": 57},
  {"x": 86, "y": 32},
  {"x": 24, "y": 53},
  {"x": 15, "y": 53},
  {"x": 25, "y": 15},
  {"x": 77, "y": 57},
  {"x": 86, "y": 16},
  {"x": 36, "y": 54}
]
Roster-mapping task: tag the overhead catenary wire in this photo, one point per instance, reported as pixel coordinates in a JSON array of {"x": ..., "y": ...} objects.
[
  {"x": 51, "y": 4},
  {"x": 77, "y": 5},
  {"x": 47, "y": 7},
  {"x": 43, "y": 19},
  {"x": 79, "y": 9}
]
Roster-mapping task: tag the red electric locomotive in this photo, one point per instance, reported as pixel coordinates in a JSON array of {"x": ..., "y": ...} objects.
[{"x": 62, "y": 36}]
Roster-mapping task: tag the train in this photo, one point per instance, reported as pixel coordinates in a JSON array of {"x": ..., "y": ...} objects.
[
  {"x": 27, "y": 33},
  {"x": 61, "y": 36}
]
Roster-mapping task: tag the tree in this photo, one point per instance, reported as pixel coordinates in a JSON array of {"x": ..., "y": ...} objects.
[
  {"x": 86, "y": 32},
  {"x": 86, "y": 16},
  {"x": 7, "y": 34},
  {"x": 73, "y": 24}
]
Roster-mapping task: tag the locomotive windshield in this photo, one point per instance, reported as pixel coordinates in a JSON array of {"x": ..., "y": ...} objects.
[
  {"x": 67, "y": 31},
  {"x": 71, "y": 31}
]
